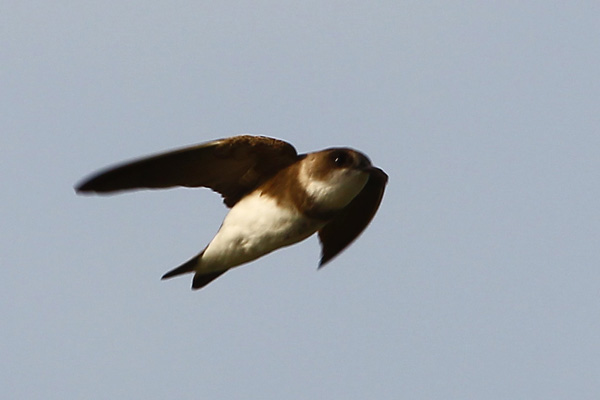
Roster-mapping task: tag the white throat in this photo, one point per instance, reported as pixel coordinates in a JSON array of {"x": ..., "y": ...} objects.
[{"x": 336, "y": 189}]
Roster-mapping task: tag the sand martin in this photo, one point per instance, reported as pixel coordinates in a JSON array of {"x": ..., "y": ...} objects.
[{"x": 277, "y": 197}]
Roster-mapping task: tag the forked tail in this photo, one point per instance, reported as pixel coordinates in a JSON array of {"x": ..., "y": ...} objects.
[{"x": 200, "y": 279}]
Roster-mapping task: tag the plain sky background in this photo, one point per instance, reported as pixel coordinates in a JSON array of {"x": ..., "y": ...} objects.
[{"x": 479, "y": 278}]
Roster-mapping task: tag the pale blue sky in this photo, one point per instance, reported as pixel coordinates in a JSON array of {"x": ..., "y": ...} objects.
[{"x": 478, "y": 279}]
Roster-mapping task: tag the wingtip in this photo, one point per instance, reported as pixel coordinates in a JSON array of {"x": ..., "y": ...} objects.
[
  {"x": 323, "y": 261},
  {"x": 77, "y": 188},
  {"x": 84, "y": 187},
  {"x": 165, "y": 277}
]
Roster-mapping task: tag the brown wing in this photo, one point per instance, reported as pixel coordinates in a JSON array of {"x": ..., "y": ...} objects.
[
  {"x": 350, "y": 222},
  {"x": 232, "y": 167}
]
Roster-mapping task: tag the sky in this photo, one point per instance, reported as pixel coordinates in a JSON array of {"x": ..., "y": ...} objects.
[{"x": 477, "y": 279}]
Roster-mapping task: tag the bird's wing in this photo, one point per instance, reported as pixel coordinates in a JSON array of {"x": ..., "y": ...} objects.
[
  {"x": 232, "y": 167},
  {"x": 349, "y": 223}
]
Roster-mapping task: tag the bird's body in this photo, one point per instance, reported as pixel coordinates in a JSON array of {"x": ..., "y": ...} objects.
[
  {"x": 255, "y": 226},
  {"x": 277, "y": 197}
]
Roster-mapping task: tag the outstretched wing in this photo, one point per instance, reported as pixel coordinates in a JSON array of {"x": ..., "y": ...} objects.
[
  {"x": 354, "y": 218},
  {"x": 232, "y": 167}
]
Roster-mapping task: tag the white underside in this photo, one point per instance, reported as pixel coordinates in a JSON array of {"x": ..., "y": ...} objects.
[{"x": 255, "y": 226}]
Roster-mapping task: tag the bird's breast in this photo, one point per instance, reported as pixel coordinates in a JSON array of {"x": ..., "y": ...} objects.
[{"x": 256, "y": 225}]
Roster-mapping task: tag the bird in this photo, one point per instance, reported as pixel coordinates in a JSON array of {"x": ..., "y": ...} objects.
[{"x": 276, "y": 196}]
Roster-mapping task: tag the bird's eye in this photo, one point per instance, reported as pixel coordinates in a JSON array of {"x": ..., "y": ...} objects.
[{"x": 340, "y": 158}]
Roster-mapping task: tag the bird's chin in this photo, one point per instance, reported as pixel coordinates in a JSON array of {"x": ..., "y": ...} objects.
[{"x": 340, "y": 190}]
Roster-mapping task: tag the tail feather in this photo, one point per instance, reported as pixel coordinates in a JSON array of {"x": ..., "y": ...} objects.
[
  {"x": 186, "y": 267},
  {"x": 200, "y": 279}
]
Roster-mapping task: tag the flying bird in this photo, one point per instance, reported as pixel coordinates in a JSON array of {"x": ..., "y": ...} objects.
[{"x": 277, "y": 197}]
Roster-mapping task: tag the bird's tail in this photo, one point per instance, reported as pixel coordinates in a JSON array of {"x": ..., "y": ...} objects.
[
  {"x": 200, "y": 279},
  {"x": 187, "y": 267}
]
